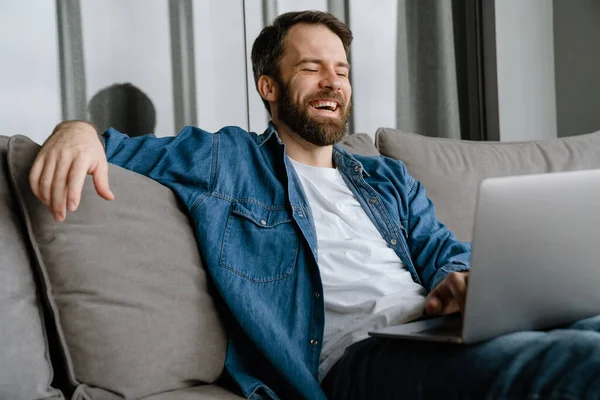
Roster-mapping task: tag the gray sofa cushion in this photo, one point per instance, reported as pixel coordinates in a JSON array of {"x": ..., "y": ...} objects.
[
  {"x": 360, "y": 143},
  {"x": 450, "y": 170},
  {"x": 202, "y": 392},
  {"x": 25, "y": 370},
  {"x": 206, "y": 392},
  {"x": 126, "y": 285}
]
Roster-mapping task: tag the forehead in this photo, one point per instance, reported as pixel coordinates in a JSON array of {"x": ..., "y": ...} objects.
[{"x": 312, "y": 41}]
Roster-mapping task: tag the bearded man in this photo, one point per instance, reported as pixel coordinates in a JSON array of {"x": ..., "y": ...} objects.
[{"x": 311, "y": 247}]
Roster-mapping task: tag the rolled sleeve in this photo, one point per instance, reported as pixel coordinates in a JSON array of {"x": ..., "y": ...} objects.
[{"x": 182, "y": 160}]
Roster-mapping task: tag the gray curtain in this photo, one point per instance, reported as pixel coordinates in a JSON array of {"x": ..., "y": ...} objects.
[{"x": 427, "y": 88}]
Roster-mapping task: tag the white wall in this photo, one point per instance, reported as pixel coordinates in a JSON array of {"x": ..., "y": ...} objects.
[
  {"x": 259, "y": 116},
  {"x": 220, "y": 64},
  {"x": 284, "y": 6},
  {"x": 577, "y": 56},
  {"x": 525, "y": 66},
  {"x": 373, "y": 24},
  {"x": 29, "y": 70}
]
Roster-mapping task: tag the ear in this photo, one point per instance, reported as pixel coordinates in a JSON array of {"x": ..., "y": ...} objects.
[{"x": 267, "y": 88}]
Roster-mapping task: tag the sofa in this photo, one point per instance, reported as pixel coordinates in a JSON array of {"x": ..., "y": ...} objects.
[{"x": 114, "y": 302}]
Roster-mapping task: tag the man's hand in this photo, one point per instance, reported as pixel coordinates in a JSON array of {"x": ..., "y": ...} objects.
[
  {"x": 58, "y": 172},
  {"x": 449, "y": 295}
]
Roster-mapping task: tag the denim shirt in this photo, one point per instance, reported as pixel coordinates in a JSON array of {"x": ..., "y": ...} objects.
[{"x": 256, "y": 233}]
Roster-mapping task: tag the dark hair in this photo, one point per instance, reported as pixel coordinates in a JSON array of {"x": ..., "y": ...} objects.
[
  {"x": 268, "y": 46},
  {"x": 123, "y": 107}
]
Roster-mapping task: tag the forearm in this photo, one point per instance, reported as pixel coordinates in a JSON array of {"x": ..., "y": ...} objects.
[{"x": 434, "y": 248}]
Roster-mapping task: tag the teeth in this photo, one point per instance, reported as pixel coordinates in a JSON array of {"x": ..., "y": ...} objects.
[{"x": 331, "y": 105}]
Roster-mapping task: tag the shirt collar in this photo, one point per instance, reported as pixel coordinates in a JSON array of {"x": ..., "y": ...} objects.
[
  {"x": 268, "y": 133},
  {"x": 346, "y": 162},
  {"x": 343, "y": 160}
]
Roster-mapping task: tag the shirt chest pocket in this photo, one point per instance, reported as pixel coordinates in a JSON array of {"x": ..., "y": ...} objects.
[{"x": 260, "y": 243}]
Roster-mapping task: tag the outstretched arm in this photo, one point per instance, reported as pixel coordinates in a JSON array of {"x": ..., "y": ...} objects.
[{"x": 75, "y": 150}]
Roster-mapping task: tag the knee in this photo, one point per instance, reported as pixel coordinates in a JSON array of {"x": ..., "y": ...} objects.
[
  {"x": 588, "y": 324},
  {"x": 569, "y": 353},
  {"x": 562, "y": 341},
  {"x": 558, "y": 362}
]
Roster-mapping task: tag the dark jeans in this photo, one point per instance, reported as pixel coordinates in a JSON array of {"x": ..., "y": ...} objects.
[{"x": 558, "y": 364}]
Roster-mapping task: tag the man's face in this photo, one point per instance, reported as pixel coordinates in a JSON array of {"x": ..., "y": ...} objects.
[{"x": 314, "y": 90}]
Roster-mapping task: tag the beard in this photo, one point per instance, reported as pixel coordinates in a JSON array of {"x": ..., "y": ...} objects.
[{"x": 320, "y": 131}]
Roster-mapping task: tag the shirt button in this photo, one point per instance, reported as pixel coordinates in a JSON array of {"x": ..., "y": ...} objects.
[
  {"x": 373, "y": 200},
  {"x": 263, "y": 222},
  {"x": 393, "y": 242},
  {"x": 314, "y": 342},
  {"x": 357, "y": 168},
  {"x": 317, "y": 295},
  {"x": 300, "y": 214}
]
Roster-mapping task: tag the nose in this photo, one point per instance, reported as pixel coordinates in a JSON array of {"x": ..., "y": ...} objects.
[{"x": 331, "y": 80}]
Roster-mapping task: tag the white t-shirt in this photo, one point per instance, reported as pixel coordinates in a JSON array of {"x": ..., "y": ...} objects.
[{"x": 365, "y": 285}]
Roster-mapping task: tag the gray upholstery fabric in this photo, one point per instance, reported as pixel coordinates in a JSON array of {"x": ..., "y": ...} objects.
[
  {"x": 206, "y": 392},
  {"x": 25, "y": 370},
  {"x": 451, "y": 170},
  {"x": 126, "y": 285},
  {"x": 360, "y": 143},
  {"x": 202, "y": 392}
]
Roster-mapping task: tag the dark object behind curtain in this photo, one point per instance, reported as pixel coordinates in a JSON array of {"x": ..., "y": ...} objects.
[{"x": 123, "y": 107}]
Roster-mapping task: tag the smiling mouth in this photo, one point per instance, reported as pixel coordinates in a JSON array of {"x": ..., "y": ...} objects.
[{"x": 325, "y": 105}]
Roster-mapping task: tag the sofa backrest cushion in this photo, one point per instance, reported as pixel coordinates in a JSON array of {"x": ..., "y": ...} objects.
[
  {"x": 126, "y": 286},
  {"x": 360, "y": 143},
  {"x": 25, "y": 369},
  {"x": 451, "y": 170}
]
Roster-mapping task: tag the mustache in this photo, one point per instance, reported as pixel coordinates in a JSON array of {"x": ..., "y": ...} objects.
[{"x": 327, "y": 95}]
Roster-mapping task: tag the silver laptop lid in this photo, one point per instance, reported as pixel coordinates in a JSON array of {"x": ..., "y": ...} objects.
[{"x": 536, "y": 253}]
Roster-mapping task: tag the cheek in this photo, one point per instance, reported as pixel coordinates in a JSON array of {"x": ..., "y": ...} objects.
[
  {"x": 296, "y": 96},
  {"x": 303, "y": 87},
  {"x": 300, "y": 98},
  {"x": 348, "y": 90},
  {"x": 348, "y": 94}
]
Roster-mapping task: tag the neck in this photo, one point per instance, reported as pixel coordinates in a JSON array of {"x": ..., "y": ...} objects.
[{"x": 302, "y": 151}]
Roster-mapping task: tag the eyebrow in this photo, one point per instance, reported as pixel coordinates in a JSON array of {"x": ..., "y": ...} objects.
[{"x": 318, "y": 61}]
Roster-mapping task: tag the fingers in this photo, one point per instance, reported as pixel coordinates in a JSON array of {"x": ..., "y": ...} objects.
[
  {"x": 101, "y": 181},
  {"x": 62, "y": 183},
  {"x": 58, "y": 173},
  {"x": 45, "y": 183},
  {"x": 77, "y": 174},
  {"x": 76, "y": 179},
  {"x": 35, "y": 175},
  {"x": 58, "y": 194},
  {"x": 433, "y": 305},
  {"x": 457, "y": 283},
  {"x": 440, "y": 300},
  {"x": 449, "y": 296}
]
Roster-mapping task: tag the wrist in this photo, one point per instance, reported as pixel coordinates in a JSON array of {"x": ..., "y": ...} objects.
[{"x": 78, "y": 125}]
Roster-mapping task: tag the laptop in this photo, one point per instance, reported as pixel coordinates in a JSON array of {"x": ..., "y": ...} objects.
[{"x": 535, "y": 261}]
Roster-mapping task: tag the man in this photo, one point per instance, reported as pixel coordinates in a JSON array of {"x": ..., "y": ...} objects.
[{"x": 311, "y": 247}]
